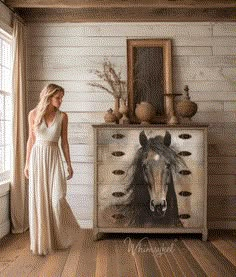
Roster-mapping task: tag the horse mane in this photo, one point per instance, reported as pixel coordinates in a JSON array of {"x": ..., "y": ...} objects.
[
  {"x": 138, "y": 193},
  {"x": 168, "y": 152}
]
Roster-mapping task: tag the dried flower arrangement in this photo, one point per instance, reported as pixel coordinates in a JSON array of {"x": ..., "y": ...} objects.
[{"x": 116, "y": 86}]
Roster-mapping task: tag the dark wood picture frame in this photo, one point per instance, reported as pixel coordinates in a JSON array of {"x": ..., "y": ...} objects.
[{"x": 149, "y": 73}]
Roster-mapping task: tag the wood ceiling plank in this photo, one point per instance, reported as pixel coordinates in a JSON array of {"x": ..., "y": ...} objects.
[
  {"x": 120, "y": 3},
  {"x": 127, "y": 15}
]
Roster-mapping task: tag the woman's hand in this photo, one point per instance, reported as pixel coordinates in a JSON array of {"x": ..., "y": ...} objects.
[
  {"x": 70, "y": 171},
  {"x": 26, "y": 172}
]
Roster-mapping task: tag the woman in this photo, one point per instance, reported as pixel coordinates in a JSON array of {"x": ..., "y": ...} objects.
[{"x": 52, "y": 223}]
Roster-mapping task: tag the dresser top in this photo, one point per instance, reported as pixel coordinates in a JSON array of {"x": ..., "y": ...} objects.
[{"x": 154, "y": 126}]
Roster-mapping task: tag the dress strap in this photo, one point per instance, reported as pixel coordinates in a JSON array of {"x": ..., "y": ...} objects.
[
  {"x": 61, "y": 116},
  {"x": 61, "y": 113}
]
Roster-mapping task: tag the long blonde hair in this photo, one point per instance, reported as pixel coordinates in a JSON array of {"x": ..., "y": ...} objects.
[{"x": 46, "y": 94}]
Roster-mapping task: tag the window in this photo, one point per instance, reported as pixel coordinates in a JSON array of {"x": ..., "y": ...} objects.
[{"x": 5, "y": 105}]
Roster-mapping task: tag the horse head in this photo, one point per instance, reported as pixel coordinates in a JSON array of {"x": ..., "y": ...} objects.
[{"x": 157, "y": 167}]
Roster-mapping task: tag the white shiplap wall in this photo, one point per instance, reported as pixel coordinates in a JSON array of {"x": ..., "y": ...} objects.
[
  {"x": 5, "y": 19},
  {"x": 204, "y": 56}
]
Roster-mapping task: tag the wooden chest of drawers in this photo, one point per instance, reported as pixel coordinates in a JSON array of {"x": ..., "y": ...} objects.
[{"x": 150, "y": 179}]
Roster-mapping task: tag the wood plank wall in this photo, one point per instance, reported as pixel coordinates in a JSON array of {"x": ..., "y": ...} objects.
[
  {"x": 204, "y": 57},
  {"x": 5, "y": 18}
]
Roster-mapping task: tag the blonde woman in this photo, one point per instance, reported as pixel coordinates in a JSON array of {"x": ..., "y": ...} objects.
[{"x": 52, "y": 223}]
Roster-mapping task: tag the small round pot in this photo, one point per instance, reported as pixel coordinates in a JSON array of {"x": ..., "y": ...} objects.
[
  {"x": 110, "y": 117},
  {"x": 145, "y": 112}
]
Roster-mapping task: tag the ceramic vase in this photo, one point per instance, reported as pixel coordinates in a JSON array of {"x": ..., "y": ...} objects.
[
  {"x": 124, "y": 110},
  {"x": 145, "y": 112},
  {"x": 186, "y": 108},
  {"x": 116, "y": 109}
]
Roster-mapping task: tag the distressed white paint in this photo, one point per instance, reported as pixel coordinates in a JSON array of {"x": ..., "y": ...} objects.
[
  {"x": 230, "y": 106},
  {"x": 224, "y": 50},
  {"x": 224, "y": 29},
  {"x": 126, "y": 29},
  {"x": 5, "y": 19}
]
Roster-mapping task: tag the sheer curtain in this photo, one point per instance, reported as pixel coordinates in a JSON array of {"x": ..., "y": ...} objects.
[{"x": 19, "y": 185}]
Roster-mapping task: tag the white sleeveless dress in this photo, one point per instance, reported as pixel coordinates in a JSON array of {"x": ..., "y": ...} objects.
[{"x": 52, "y": 223}]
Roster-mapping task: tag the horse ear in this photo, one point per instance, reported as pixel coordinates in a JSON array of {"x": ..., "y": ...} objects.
[
  {"x": 143, "y": 138},
  {"x": 167, "y": 139}
]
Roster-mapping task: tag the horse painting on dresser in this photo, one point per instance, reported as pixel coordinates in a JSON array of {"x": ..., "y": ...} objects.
[{"x": 153, "y": 200}]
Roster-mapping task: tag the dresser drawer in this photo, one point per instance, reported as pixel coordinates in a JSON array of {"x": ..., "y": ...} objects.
[
  {"x": 119, "y": 216},
  {"x": 119, "y": 136},
  {"x": 113, "y": 194},
  {"x": 113, "y": 216},
  {"x": 187, "y": 143},
  {"x": 117, "y": 153},
  {"x": 118, "y": 172}
]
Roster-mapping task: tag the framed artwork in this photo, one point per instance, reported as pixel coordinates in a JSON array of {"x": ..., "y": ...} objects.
[{"x": 150, "y": 76}]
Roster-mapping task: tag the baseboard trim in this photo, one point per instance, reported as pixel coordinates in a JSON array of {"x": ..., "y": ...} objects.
[
  {"x": 222, "y": 225},
  {"x": 4, "y": 229},
  {"x": 85, "y": 224}
]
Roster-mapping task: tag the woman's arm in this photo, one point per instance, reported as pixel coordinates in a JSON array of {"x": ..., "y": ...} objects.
[
  {"x": 30, "y": 141},
  {"x": 65, "y": 145}
]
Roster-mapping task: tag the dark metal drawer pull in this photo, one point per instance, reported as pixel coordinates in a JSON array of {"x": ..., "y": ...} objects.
[
  {"x": 184, "y": 216},
  {"x": 118, "y": 216},
  {"x": 118, "y": 193},
  {"x": 185, "y": 172},
  {"x": 185, "y": 193},
  {"x": 118, "y": 153},
  {"x": 118, "y": 172},
  {"x": 185, "y": 153},
  {"x": 185, "y": 136},
  {"x": 118, "y": 136}
]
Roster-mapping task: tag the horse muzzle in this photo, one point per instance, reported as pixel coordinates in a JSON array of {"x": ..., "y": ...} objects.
[{"x": 159, "y": 209}]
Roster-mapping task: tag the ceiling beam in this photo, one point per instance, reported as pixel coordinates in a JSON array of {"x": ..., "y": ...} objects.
[
  {"x": 161, "y": 4},
  {"x": 126, "y": 15}
]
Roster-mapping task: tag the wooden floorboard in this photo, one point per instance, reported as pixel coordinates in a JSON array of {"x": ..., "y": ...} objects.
[
  {"x": 125, "y": 260},
  {"x": 207, "y": 260},
  {"x": 183, "y": 263},
  {"x": 112, "y": 260},
  {"x": 11, "y": 249},
  {"x": 71, "y": 265},
  {"x": 227, "y": 249},
  {"x": 189, "y": 260},
  {"x": 160, "y": 253},
  {"x": 124, "y": 255},
  {"x": 87, "y": 261},
  {"x": 145, "y": 262}
]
